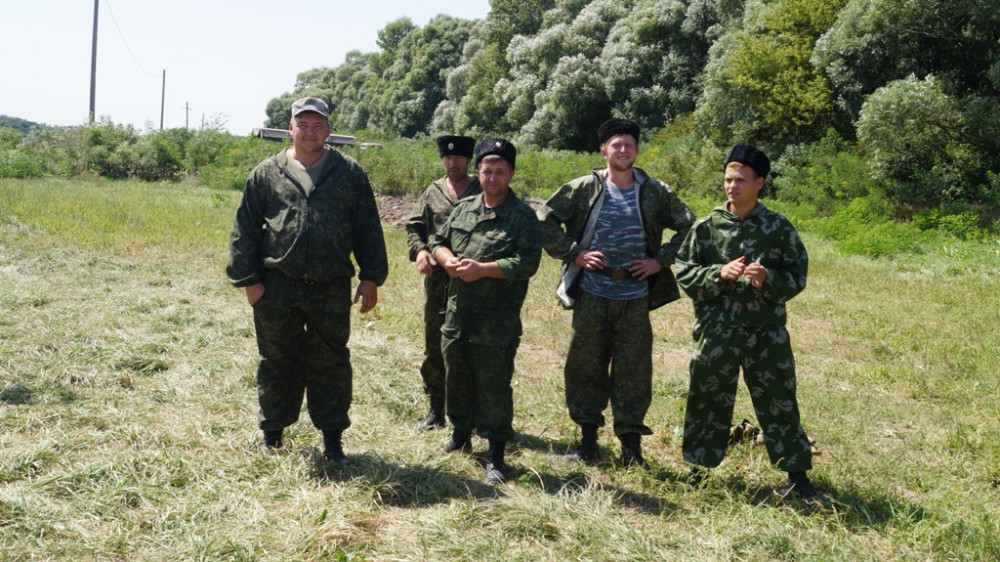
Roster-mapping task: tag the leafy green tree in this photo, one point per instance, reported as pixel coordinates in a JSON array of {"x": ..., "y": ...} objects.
[
  {"x": 653, "y": 57},
  {"x": 414, "y": 85},
  {"x": 554, "y": 92},
  {"x": 913, "y": 131},
  {"x": 762, "y": 86},
  {"x": 482, "y": 109},
  {"x": 877, "y": 41}
]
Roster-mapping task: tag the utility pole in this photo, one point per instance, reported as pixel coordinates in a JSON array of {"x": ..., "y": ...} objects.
[
  {"x": 163, "y": 96},
  {"x": 187, "y": 112},
  {"x": 93, "y": 67}
]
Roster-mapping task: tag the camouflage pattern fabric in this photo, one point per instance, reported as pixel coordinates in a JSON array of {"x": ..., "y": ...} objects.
[
  {"x": 740, "y": 326},
  {"x": 300, "y": 248},
  {"x": 616, "y": 334},
  {"x": 721, "y": 238},
  {"x": 433, "y": 209},
  {"x": 564, "y": 217},
  {"x": 294, "y": 359},
  {"x": 435, "y": 301},
  {"x": 765, "y": 354},
  {"x": 307, "y": 237},
  {"x": 479, "y": 394},
  {"x": 482, "y": 327}
]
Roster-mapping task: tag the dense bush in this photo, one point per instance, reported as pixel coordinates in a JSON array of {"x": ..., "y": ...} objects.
[
  {"x": 825, "y": 175},
  {"x": 120, "y": 151},
  {"x": 16, "y": 164}
]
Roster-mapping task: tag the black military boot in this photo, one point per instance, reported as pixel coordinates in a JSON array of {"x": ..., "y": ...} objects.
[
  {"x": 460, "y": 441},
  {"x": 334, "y": 448},
  {"x": 272, "y": 440},
  {"x": 496, "y": 471},
  {"x": 801, "y": 486},
  {"x": 631, "y": 450},
  {"x": 587, "y": 451},
  {"x": 435, "y": 417}
]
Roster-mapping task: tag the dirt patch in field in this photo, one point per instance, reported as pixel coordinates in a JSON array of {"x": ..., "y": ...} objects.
[{"x": 395, "y": 210}]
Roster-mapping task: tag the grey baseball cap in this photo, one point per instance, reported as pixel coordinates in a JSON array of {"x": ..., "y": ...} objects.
[{"x": 315, "y": 105}]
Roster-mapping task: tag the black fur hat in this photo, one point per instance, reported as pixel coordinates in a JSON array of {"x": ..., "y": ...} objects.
[
  {"x": 455, "y": 144},
  {"x": 753, "y": 157},
  {"x": 501, "y": 147},
  {"x": 613, "y": 127}
]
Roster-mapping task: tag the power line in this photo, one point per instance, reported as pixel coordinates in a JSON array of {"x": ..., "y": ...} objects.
[{"x": 127, "y": 46}]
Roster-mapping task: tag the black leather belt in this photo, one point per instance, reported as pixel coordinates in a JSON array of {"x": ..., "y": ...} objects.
[{"x": 615, "y": 274}]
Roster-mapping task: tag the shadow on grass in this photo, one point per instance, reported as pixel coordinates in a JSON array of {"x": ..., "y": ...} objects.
[
  {"x": 855, "y": 509},
  {"x": 404, "y": 485},
  {"x": 579, "y": 481}
]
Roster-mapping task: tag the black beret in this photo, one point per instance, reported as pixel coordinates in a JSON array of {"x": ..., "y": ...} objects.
[
  {"x": 753, "y": 157},
  {"x": 613, "y": 127},
  {"x": 500, "y": 147},
  {"x": 455, "y": 144}
]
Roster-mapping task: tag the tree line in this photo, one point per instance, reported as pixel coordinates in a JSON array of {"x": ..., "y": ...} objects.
[{"x": 914, "y": 85}]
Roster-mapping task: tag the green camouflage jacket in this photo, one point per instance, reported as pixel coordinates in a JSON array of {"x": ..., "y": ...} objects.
[
  {"x": 720, "y": 238},
  {"x": 433, "y": 208},
  {"x": 277, "y": 226},
  {"x": 509, "y": 235},
  {"x": 660, "y": 209}
]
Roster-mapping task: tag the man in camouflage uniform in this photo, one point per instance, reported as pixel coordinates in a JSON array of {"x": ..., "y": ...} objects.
[
  {"x": 433, "y": 208},
  {"x": 304, "y": 211},
  {"x": 490, "y": 246},
  {"x": 740, "y": 265},
  {"x": 608, "y": 226}
]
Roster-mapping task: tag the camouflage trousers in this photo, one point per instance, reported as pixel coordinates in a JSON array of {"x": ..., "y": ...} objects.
[
  {"x": 302, "y": 334},
  {"x": 435, "y": 301},
  {"x": 479, "y": 395},
  {"x": 765, "y": 355},
  {"x": 610, "y": 358}
]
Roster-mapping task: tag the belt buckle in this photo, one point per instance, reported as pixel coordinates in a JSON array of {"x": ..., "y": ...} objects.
[{"x": 619, "y": 275}]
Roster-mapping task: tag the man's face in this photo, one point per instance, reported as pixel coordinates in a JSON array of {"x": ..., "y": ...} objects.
[
  {"x": 309, "y": 132},
  {"x": 742, "y": 186},
  {"x": 620, "y": 152},
  {"x": 495, "y": 175},
  {"x": 455, "y": 167}
]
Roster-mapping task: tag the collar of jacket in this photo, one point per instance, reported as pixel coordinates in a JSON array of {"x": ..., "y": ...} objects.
[
  {"x": 730, "y": 216},
  {"x": 332, "y": 160},
  {"x": 640, "y": 175},
  {"x": 479, "y": 200}
]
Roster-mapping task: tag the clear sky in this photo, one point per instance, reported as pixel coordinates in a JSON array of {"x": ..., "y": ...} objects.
[{"x": 225, "y": 59}]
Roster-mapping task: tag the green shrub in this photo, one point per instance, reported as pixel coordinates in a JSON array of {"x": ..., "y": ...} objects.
[
  {"x": 539, "y": 174},
  {"x": 402, "y": 167},
  {"x": 825, "y": 175},
  {"x": 685, "y": 161},
  {"x": 16, "y": 164},
  {"x": 10, "y": 138},
  {"x": 959, "y": 221},
  {"x": 865, "y": 226}
]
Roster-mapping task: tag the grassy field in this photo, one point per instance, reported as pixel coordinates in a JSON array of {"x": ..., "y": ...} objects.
[{"x": 128, "y": 413}]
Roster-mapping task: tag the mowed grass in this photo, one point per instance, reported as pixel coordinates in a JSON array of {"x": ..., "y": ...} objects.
[{"x": 128, "y": 412}]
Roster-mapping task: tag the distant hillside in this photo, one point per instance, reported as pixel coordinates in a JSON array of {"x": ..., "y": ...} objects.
[{"x": 22, "y": 125}]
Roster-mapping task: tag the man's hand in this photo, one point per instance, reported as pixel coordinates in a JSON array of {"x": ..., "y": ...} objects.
[
  {"x": 368, "y": 295},
  {"x": 254, "y": 293},
  {"x": 425, "y": 262},
  {"x": 756, "y": 273},
  {"x": 645, "y": 268},
  {"x": 591, "y": 260},
  {"x": 734, "y": 269},
  {"x": 470, "y": 270}
]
